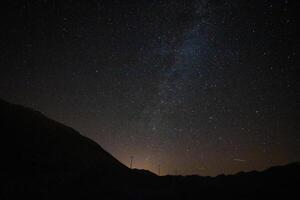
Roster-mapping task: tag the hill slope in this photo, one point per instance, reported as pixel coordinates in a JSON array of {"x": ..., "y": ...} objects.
[{"x": 43, "y": 159}]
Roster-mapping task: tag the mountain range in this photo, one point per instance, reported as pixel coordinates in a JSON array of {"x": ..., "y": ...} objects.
[{"x": 44, "y": 159}]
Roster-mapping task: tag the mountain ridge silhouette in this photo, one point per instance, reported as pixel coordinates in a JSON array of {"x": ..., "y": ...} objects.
[{"x": 44, "y": 159}]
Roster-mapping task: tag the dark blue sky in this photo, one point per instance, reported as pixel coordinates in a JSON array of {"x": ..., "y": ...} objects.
[{"x": 200, "y": 87}]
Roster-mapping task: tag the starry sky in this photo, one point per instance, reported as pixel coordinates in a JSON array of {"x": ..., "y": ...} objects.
[{"x": 193, "y": 87}]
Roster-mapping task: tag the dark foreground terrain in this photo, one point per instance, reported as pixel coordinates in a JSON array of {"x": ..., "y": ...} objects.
[{"x": 43, "y": 159}]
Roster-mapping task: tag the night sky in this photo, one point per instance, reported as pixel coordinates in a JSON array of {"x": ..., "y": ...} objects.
[{"x": 197, "y": 87}]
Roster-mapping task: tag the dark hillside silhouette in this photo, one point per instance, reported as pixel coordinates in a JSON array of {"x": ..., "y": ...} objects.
[{"x": 43, "y": 159}]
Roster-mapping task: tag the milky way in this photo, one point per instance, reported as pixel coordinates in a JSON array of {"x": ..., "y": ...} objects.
[{"x": 195, "y": 87}]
